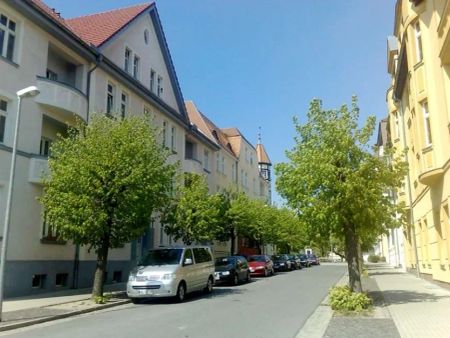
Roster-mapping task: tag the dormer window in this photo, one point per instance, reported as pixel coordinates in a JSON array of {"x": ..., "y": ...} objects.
[
  {"x": 127, "y": 60},
  {"x": 136, "y": 63}
]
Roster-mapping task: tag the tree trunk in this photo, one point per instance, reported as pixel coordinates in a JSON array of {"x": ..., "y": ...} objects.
[
  {"x": 102, "y": 259},
  {"x": 360, "y": 259},
  {"x": 233, "y": 240},
  {"x": 351, "y": 253}
]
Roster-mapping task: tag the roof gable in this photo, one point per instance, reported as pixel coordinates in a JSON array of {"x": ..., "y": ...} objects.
[{"x": 96, "y": 29}]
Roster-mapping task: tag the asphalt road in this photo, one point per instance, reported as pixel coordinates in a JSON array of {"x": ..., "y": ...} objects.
[{"x": 272, "y": 307}]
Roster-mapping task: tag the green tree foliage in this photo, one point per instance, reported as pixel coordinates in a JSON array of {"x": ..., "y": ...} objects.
[
  {"x": 193, "y": 215},
  {"x": 336, "y": 184},
  {"x": 107, "y": 178}
]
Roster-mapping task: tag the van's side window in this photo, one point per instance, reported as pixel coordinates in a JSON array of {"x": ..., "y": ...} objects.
[
  {"x": 188, "y": 254},
  {"x": 202, "y": 255}
]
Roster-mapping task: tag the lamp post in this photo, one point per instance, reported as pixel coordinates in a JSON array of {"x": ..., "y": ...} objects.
[{"x": 21, "y": 94}]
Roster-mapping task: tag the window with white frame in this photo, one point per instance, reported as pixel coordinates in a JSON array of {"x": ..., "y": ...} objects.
[
  {"x": 164, "y": 134},
  {"x": 397, "y": 125},
  {"x": 110, "y": 98},
  {"x": 159, "y": 88},
  {"x": 206, "y": 160},
  {"x": 152, "y": 80},
  {"x": 136, "y": 64},
  {"x": 3, "y": 112},
  {"x": 127, "y": 60},
  {"x": 427, "y": 124},
  {"x": 44, "y": 148},
  {"x": 173, "y": 138},
  {"x": 123, "y": 105},
  {"x": 418, "y": 36},
  {"x": 218, "y": 162},
  {"x": 7, "y": 37}
]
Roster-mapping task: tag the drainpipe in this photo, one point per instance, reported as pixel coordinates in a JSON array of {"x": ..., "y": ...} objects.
[
  {"x": 88, "y": 85},
  {"x": 76, "y": 259},
  {"x": 411, "y": 211}
]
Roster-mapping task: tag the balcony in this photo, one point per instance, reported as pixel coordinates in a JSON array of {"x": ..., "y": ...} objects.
[
  {"x": 431, "y": 176},
  {"x": 37, "y": 170},
  {"x": 62, "y": 97},
  {"x": 191, "y": 165}
]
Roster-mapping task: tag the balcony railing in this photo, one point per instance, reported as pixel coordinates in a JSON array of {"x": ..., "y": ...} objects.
[
  {"x": 191, "y": 165},
  {"x": 63, "y": 97}
]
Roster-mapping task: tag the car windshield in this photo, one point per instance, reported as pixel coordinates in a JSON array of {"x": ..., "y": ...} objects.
[
  {"x": 303, "y": 257},
  {"x": 278, "y": 258},
  {"x": 162, "y": 257},
  {"x": 256, "y": 259},
  {"x": 224, "y": 261}
]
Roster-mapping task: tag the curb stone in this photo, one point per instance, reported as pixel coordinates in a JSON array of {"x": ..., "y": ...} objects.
[{"x": 61, "y": 316}]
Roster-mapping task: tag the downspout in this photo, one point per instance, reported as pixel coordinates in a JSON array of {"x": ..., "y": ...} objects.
[
  {"x": 411, "y": 211},
  {"x": 76, "y": 259}
]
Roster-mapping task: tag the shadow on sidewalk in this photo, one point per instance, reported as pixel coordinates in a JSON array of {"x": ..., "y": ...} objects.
[
  {"x": 404, "y": 297},
  {"x": 380, "y": 273}
]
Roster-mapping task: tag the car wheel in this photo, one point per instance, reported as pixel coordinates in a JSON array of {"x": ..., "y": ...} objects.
[
  {"x": 181, "y": 292},
  {"x": 209, "y": 286},
  {"x": 236, "y": 279},
  {"x": 249, "y": 278}
]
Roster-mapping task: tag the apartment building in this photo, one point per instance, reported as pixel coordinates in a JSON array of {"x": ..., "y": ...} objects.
[
  {"x": 237, "y": 165},
  {"x": 419, "y": 115},
  {"x": 117, "y": 63}
]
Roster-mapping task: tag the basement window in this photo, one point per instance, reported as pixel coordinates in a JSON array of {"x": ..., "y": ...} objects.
[
  {"x": 38, "y": 281},
  {"x": 61, "y": 279}
]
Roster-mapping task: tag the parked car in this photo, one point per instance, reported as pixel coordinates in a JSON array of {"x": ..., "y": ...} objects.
[
  {"x": 231, "y": 270},
  {"x": 313, "y": 259},
  {"x": 295, "y": 262},
  {"x": 172, "y": 271},
  {"x": 281, "y": 263},
  {"x": 260, "y": 265},
  {"x": 304, "y": 260}
]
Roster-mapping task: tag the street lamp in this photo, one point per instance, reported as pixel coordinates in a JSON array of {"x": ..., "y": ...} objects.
[{"x": 21, "y": 94}]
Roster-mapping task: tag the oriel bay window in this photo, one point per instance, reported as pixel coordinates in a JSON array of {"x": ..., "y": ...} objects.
[{"x": 427, "y": 124}]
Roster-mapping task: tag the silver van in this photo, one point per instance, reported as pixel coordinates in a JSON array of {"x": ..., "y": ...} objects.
[{"x": 172, "y": 272}]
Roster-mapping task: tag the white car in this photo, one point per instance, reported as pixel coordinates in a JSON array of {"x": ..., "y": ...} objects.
[{"x": 172, "y": 272}]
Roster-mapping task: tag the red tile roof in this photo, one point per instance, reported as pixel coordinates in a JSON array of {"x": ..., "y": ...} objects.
[
  {"x": 49, "y": 11},
  {"x": 97, "y": 28}
]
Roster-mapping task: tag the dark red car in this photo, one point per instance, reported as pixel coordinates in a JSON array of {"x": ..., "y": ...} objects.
[{"x": 260, "y": 265}]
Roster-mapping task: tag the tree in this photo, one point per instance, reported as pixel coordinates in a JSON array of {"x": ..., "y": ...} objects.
[
  {"x": 193, "y": 216},
  {"x": 336, "y": 184},
  {"x": 107, "y": 178}
]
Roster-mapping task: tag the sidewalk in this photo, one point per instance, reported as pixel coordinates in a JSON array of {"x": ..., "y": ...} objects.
[
  {"x": 404, "y": 306},
  {"x": 25, "y": 311}
]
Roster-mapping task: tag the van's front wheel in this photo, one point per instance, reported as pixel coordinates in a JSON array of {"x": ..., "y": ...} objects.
[
  {"x": 181, "y": 292},
  {"x": 209, "y": 286}
]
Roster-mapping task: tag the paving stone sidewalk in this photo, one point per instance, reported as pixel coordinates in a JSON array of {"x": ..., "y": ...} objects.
[
  {"x": 376, "y": 323},
  {"x": 32, "y": 310}
]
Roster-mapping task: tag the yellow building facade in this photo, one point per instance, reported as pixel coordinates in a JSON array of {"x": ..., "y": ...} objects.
[{"x": 419, "y": 115}]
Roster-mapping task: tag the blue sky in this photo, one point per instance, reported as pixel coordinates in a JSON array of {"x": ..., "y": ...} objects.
[{"x": 257, "y": 63}]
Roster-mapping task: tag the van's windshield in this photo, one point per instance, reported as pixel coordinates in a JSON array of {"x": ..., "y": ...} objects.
[{"x": 162, "y": 257}]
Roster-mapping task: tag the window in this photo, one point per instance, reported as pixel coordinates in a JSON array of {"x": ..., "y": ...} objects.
[
  {"x": 164, "y": 134},
  {"x": 418, "y": 35},
  {"x": 206, "y": 160},
  {"x": 51, "y": 75},
  {"x": 7, "y": 37},
  {"x": 124, "y": 105},
  {"x": 38, "y": 281},
  {"x": 146, "y": 36},
  {"x": 117, "y": 276},
  {"x": 127, "y": 60},
  {"x": 160, "y": 89},
  {"x": 427, "y": 125},
  {"x": 110, "y": 99},
  {"x": 152, "y": 80},
  {"x": 223, "y": 165},
  {"x": 187, "y": 254},
  {"x": 233, "y": 171},
  {"x": 49, "y": 233},
  {"x": 136, "y": 62},
  {"x": 201, "y": 255},
  {"x": 44, "y": 148},
  {"x": 218, "y": 162},
  {"x": 61, "y": 279},
  {"x": 242, "y": 177},
  {"x": 173, "y": 138},
  {"x": 397, "y": 125},
  {"x": 189, "y": 150},
  {"x": 3, "y": 110}
]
